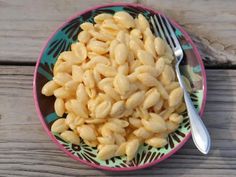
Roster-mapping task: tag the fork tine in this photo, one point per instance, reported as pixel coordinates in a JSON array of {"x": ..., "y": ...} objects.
[
  {"x": 159, "y": 28},
  {"x": 154, "y": 27},
  {"x": 172, "y": 33},
  {"x": 166, "y": 32}
]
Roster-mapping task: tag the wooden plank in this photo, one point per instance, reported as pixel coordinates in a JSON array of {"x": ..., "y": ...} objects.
[
  {"x": 26, "y": 24},
  {"x": 25, "y": 149},
  {"x": 211, "y": 24}
]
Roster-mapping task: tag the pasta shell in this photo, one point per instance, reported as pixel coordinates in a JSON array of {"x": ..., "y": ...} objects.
[
  {"x": 171, "y": 86},
  {"x": 171, "y": 126},
  {"x": 59, "y": 107},
  {"x": 70, "y": 57},
  {"x": 71, "y": 86},
  {"x": 167, "y": 112},
  {"x": 101, "y": 17},
  {"x": 103, "y": 109},
  {"x": 160, "y": 64},
  {"x": 120, "y": 122},
  {"x": 91, "y": 143},
  {"x": 73, "y": 121},
  {"x": 121, "y": 84},
  {"x": 136, "y": 33},
  {"x": 95, "y": 121},
  {"x": 62, "y": 93},
  {"x": 121, "y": 149},
  {"x": 148, "y": 34},
  {"x": 81, "y": 93},
  {"x": 162, "y": 90},
  {"x": 138, "y": 41},
  {"x": 142, "y": 133},
  {"x": 131, "y": 149},
  {"x": 147, "y": 79},
  {"x": 112, "y": 47},
  {"x": 156, "y": 142},
  {"x": 135, "y": 99},
  {"x": 86, "y": 26},
  {"x": 145, "y": 57},
  {"x": 80, "y": 51},
  {"x": 181, "y": 108},
  {"x": 86, "y": 132},
  {"x": 151, "y": 99},
  {"x": 105, "y": 70},
  {"x": 62, "y": 78},
  {"x": 97, "y": 46},
  {"x": 143, "y": 23},
  {"x": 91, "y": 92},
  {"x": 106, "y": 140},
  {"x": 49, "y": 88},
  {"x": 110, "y": 91},
  {"x": 62, "y": 67},
  {"x": 115, "y": 127},
  {"x": 110, "y": 26},
  {"x": 121, "y": 53},
  {"x": 59, "y": 126},
  {"x": 176, "y": 118},
  {"x": 97, "y": 76},
  {"x": 79, "y": 108},
  {"x": 88, "y": 79},
  {"x": 84, "y": 36},
  {"x": 176, "y": 96},
  {"x": 146, "y": 69},
  {"x": 105, "y": 82},
  {"x": 168, "y": 75},
  {"x": 149, "y": 46},
  {"x": 124, "y": 19},
  {"x": 134, "y": 46},
  {"x": 95, "y": 60},
  {"x": 155, "y": 124},
  {"x": 135, "y": 122},
  {"x": 123, "y": 69},
  {"x": 70, "y": 137},
  {"x": 108, "y": 29},
  {"x": 158, "y": 106},
  {"x": 117, "y": 109},
  {"x": 121, "y": 37},
  {"x": 101, "y": 36},
  {"x": 77, "y": 73},
  {"x": 107, "y": 152},
  {"x": 159, "y": 46}
]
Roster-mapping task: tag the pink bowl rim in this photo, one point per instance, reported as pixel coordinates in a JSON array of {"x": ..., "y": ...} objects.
[{"x": 100, "y": 166}]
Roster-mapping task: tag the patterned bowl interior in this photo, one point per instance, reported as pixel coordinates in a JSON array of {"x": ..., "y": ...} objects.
[{"x": 61, "y": 40}]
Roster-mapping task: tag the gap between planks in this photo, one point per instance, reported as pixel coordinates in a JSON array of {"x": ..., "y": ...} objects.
[{"x": 29, "y": 63}]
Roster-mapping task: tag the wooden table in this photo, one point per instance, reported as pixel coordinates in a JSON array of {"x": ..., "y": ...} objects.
[{"x": 26, "y": 150}]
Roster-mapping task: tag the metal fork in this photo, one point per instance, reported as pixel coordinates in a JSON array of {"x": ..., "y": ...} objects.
[{"x": 201, "y": 137}]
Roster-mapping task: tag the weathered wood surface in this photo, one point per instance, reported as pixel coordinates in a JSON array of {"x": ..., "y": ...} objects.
[
  {"x": 26, "y": 24},
  {"x": 211, "y": 24},
  {"x": 26, "y": 150}
]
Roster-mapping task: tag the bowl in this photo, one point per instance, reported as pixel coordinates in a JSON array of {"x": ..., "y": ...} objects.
[{"x": 191, "y": 67}]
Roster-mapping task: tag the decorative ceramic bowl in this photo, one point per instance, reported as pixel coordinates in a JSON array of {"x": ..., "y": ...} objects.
[{"x": 192, "y": 67}]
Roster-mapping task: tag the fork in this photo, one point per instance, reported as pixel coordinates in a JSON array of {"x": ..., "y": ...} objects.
[{"x": 200, "y": 135}]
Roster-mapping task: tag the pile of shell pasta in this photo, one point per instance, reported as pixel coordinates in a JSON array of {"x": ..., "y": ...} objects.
[{"x": 116, "y": 88}]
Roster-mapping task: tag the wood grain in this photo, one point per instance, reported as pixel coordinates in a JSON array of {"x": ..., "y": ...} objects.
[
  {"x": 211, "y": 24},
  {"x": 26, "y": 24},
  {"x": 25, "y": 149}
]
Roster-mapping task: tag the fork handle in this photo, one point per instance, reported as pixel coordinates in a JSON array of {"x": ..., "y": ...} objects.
[{"x": 199, "y": 132}]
